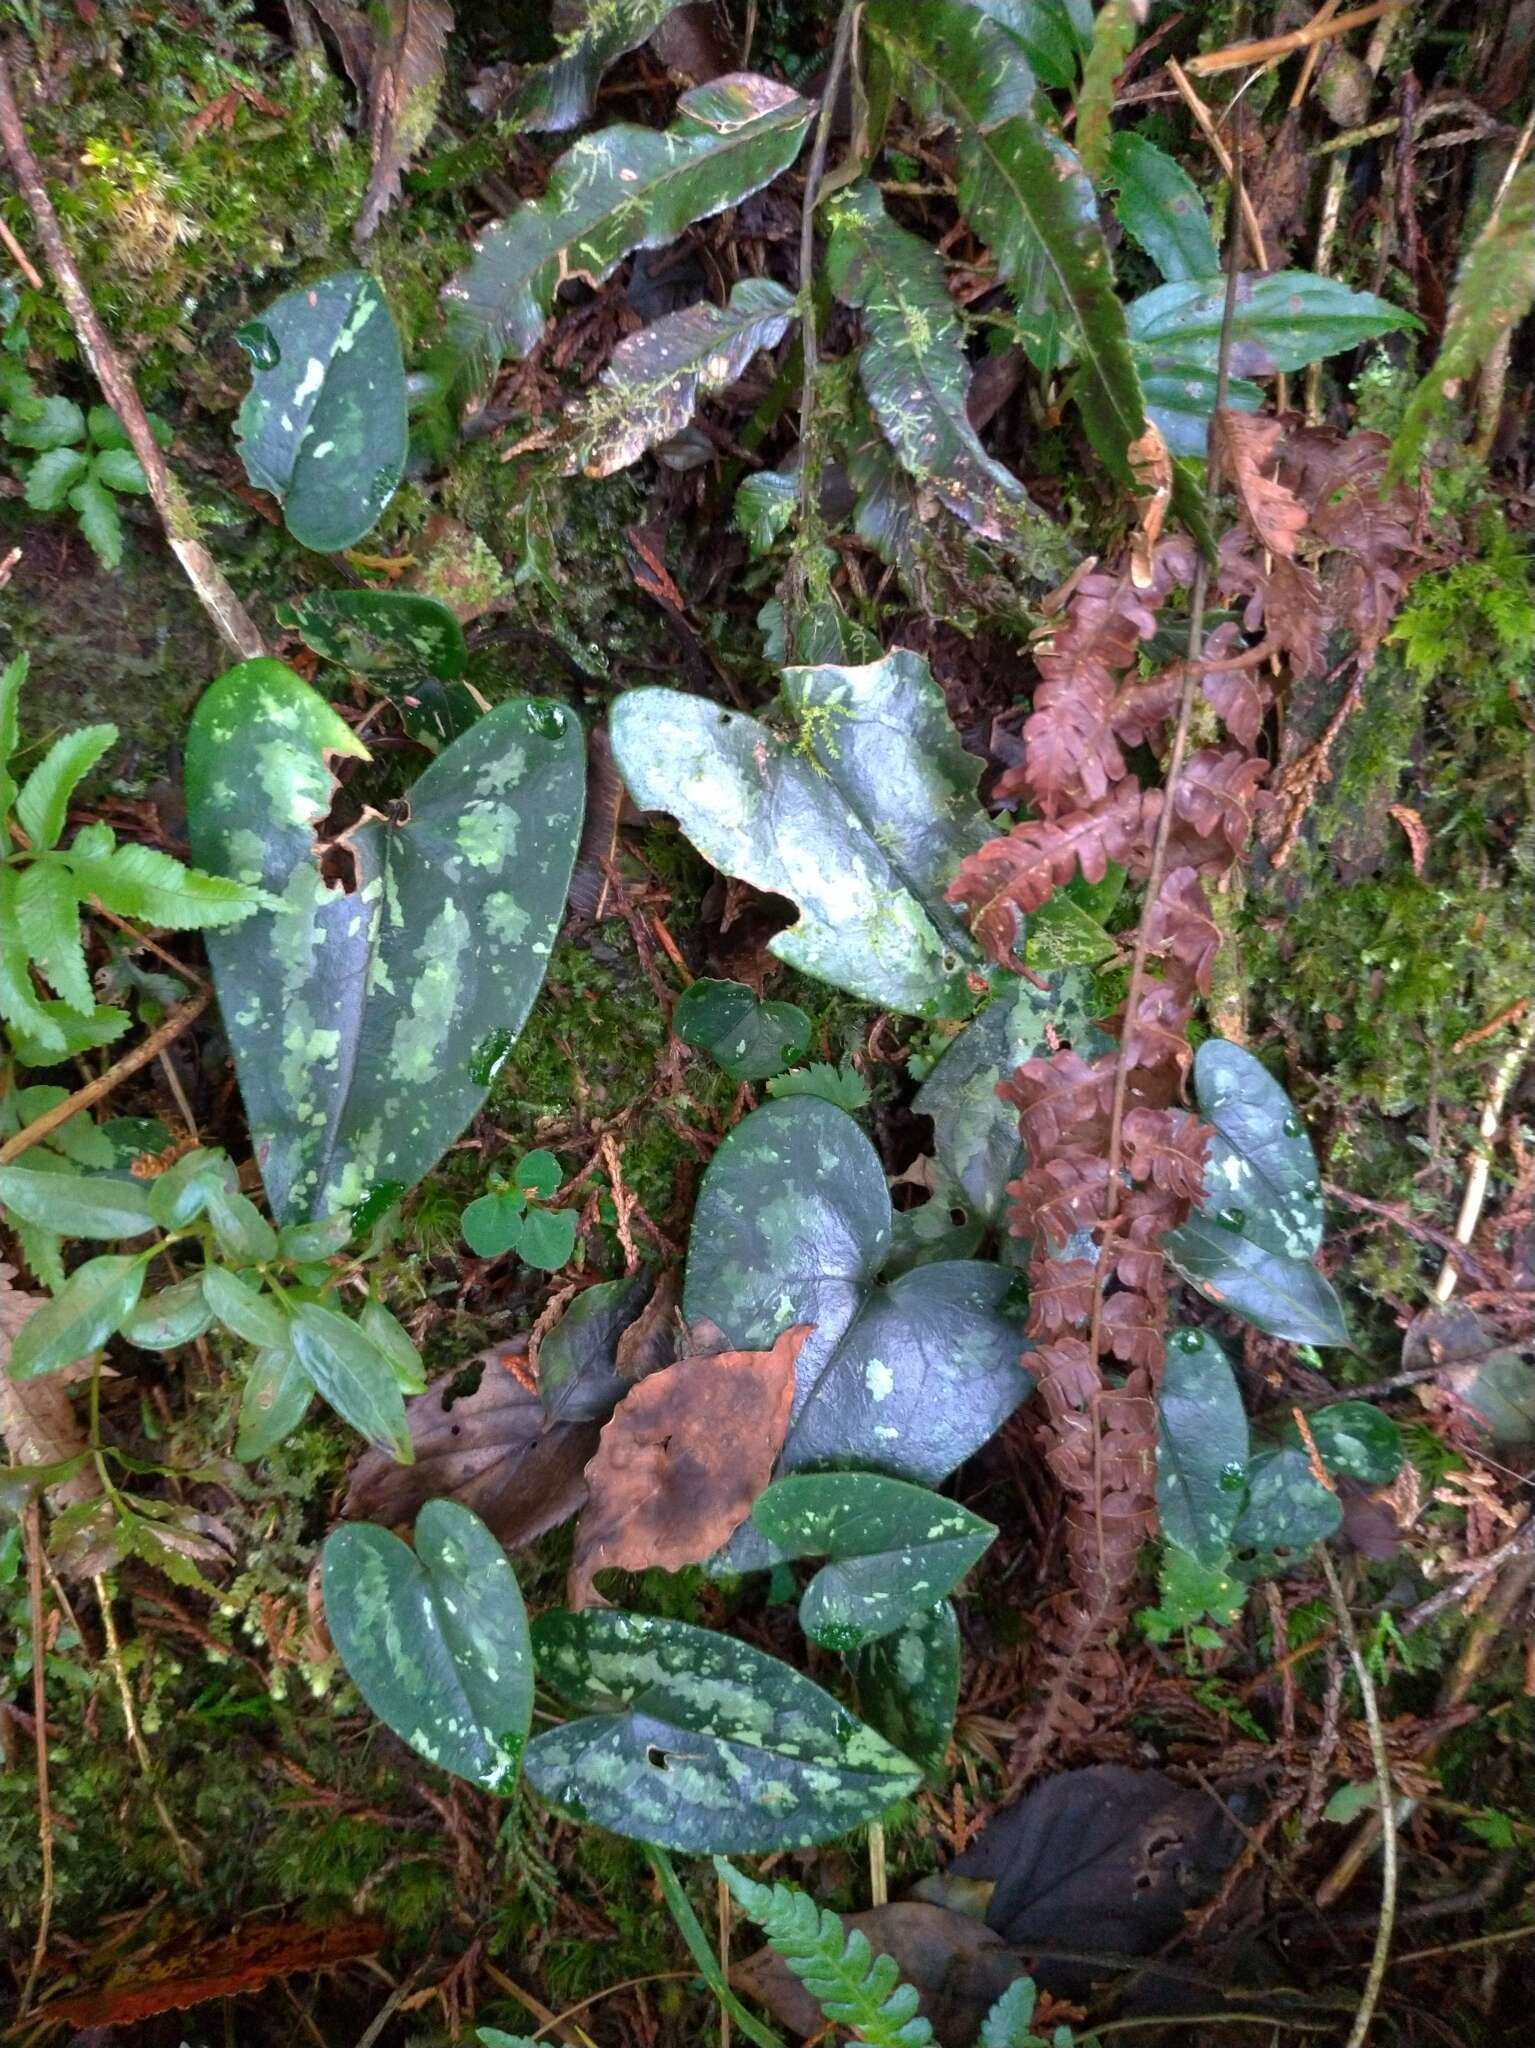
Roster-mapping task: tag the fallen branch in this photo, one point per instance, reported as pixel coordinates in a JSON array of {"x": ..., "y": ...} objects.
[
  {"x": 1270, "y": 49},
  {"x": 164, "y": 1034},
  {"x": 1480, "y": 1171},
  {"x": 235, "y": 625}
]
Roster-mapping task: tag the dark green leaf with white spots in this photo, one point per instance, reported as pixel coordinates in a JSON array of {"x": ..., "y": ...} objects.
[
  {"x": 1201, "y": 1446},
  {"x": 894, "y": 1549},
  {"x": 383, "y": 633},
  {"x": 751, "y": 1040},
  {"x": 792, "y": 1225},
  {"x": 908, "y": 1684},
  {"x": 1249, "y": 1246},
  {"x": 578, "y": 1375},
  {"x": 654, "y": 379},
  {"x": 560, "y": 94},
  {"x": 621, "y": 189},
  {"x": 367, "y": 1024},
  {"x": 436, "y": 1639},
  {"x": 912, "y": 364},
  {"x": 1354, "y": 1440},
  {"x": 975, "y": 1133},
  {"x": 323, "y": 425},
  {"x": 1025, "y": 194},
  {"x": 1287, "y": 1509},
  {"x": 861, "y": 817},
  {"x": 698, "y": 1742}
]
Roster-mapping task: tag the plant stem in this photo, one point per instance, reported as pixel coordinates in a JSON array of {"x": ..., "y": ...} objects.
[
  {"x": 32, "y": 1526},
  {"x": 681, "y": 1910},
  {"x": 1382, "y": 1762},
  {"x": 165, "y": 1033},
  {"x": 235, "y": 625}
]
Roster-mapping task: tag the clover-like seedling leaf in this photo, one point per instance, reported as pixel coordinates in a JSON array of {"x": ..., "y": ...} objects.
[
  {"x": 436, "y": 1639},
  {"x": 698, "y": 1742}
]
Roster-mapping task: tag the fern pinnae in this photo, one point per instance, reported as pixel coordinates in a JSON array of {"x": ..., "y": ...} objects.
[{"x": 853, "y": 1986}]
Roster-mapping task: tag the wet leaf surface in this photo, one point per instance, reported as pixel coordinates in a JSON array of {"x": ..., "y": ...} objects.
[{"x": 1201, "y": 1446}]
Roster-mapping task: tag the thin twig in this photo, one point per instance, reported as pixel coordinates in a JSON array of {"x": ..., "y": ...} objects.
[
  {"x": 1454, "y": 1593},
  {"x": 1205, "y": 121},
  {"x": 1479, "y": 1172},
  {"x": 1457, "y": 1948},
  {"x": 1269, "y": 50},
  {"x": 879, "y": 1878},
  {"x": 20, "y": 258},
  {"x": 186, "y": 1856},
  {"x": 809, "y": 480},
  {"x": 235, "y": 624},
  {"x": 1387, "y": 1921},
  {"x": 164, "y": 1034},
  {"x": 32, "y": 1529}
]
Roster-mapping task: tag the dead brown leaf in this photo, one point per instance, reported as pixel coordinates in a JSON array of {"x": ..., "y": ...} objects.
[
  {"x": 1417, "y": 835},
  {"x": 37, "y": 1419},
  {"x": 403, "y": 89},
  {"x": 1153, "y": 469},
  {"x": 681, "y": 1461},
  {"x": 650, "y": 1342},
  {"x": 1245, "y": 444},
  {"x": 492, "y": 1448}
]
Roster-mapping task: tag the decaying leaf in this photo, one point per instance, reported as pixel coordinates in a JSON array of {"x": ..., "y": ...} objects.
[
  {"x": 682, "y": 1460},
  {"x": 1246, "y": 444},
  {"x": 403, "y": 89},
  {"x": 38, "y": 1425}
]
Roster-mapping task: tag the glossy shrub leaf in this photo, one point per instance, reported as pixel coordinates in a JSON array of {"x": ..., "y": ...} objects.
[
  {"x": 698, "y": 1742},
  {"x": 384, "y": 633},
  {"x": 975, "y": 1132},
  {"x": 273, "y": 1403},
  {"x": 621, "y": 189},
  {"x": 1160, "y": 205},
  {"x": 1287, "y": 1509},
  {"x": 654, "y": 379},
  {"x": 1180, "y": 397},
  {"x": 560, "y": 94},
  {"x": 323, "y": 425},
  {"x": 792, "y": 1225},
  {"x": 96, "y": 1300},
  {"x": 240, "y": 1230},
  {"x": 1354, "y": 1440},
  {"x": 364, "y": 1021},
  {"x": 1250, "y": 1243},
  {"x": 908, "y": 1684},
  {"x": 1201, "y": 1447},
  {"x": 751, "y": 1040},
  {"x": 76, "y": 1205},
  {"x": 912, "y": 363},
  {"x": 181, "y": 1193},
  {"x": 173, "y": 1316},
  {"x": 245, "y": 1310},
  {"x": 353, "y": 1375},
  {"x": 894, "y": 1548},
  {"x": 1025, "y": 194},
  {"x": 861, "y": 817},
  {"x": 436, "y": 1639},
  {"x": 1494, "y": 291}
]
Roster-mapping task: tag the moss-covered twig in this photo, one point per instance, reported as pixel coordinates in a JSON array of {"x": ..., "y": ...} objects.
[{"x": 235, "y": 625}]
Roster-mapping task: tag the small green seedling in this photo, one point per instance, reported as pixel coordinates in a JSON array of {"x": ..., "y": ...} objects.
[{"x": 507, "y": 1218}]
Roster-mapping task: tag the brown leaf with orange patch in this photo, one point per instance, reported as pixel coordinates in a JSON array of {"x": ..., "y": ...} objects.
[{"x": 682, "y": 1460}]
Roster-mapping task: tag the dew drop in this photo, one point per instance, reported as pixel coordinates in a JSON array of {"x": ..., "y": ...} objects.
[
  {"x": 1293, "y": 1127},
  {"x": 1189, "y": 1340},
  {"x": 259, "y": 343},
  {"x": 1312, "y": 1191},
  {"x": 1231, "y": 1217},
  {"x": 486, "y": 1059},
  {"x": 1233, "y": 1477}
]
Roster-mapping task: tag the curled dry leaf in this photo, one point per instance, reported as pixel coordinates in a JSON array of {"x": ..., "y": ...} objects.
[
  {"x": 1245, "y": 444},
  {"x": 682, "y": 1460}
]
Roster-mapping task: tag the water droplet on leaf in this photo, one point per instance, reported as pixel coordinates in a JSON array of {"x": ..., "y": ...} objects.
[
  {"x": 1231, "y": 1217},
  {"x": 1233, "y": 1477},
  {"x": 1293, "y": 1127},
  {"x": 260, "y": 344},
  {"x": 488, "y": 1056},
  {"x": 1189, "y": 1340}
]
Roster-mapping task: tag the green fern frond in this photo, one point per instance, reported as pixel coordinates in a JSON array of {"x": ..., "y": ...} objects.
[
  {"x": 853, "y": 1986},
  {"x": 1010, "y": 2023}
]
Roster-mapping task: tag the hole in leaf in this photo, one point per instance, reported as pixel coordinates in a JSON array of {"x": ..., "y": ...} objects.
[{"x": 656, "y": 1757}]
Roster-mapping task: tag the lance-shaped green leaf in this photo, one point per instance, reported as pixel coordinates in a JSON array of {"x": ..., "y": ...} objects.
[
  {"x": 1201, "y": 1447},
  {"x": 367, "y": 1022},
  {"x": 1287, "y": 1509},
  {"x": 861, "y": 818},
  {"x": 274, "y": 1402},
  {"x": 1115, "y": 28},
  {"x": 655, "y": 379},
  {"x": 76, "y": 1204},
  {"x": 975, "y": 1132},
  {"x": 323, "y": 425},
  {"x": 698, "y": 1742},
  {"x": 1160, "y": 205},
  {"x": 913, "y": 366},
  {"x": 1025, "y": 194},
  {"x": 1249, "y": 1245},
  {"x": 894, "y": 1549},
  {"x": 560, "y": 94},
  {"x": 383, "y": 633},
  {"x": 792, "y": 1225},
  {"x": 1283, "y": 320},
  {"x": 908, "y": 1684},
  {"x": 1054, "y": 35},
  {"x": 97, "y": 1299},
  {"x": 1180, "y": 398},
  {"x": 622, "y": 189},
  {"x": 436, "y": 1639},
  {"x": 1494, "y": 291}
]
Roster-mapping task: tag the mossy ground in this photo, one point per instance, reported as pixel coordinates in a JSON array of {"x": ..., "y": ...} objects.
[{"x": 1370, "y": 977}]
